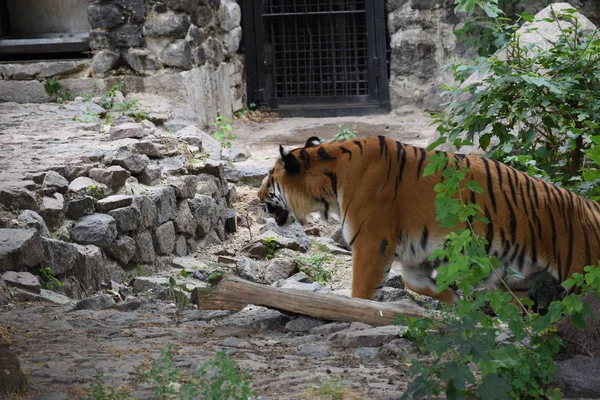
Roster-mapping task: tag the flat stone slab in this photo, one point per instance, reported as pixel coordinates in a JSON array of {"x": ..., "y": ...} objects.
[
  {"x": 113, "y": 202},
  {"x": 23, "y": 280}
]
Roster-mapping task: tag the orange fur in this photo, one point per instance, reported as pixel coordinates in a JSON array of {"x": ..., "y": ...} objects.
[{"x": 387, "y": 209}]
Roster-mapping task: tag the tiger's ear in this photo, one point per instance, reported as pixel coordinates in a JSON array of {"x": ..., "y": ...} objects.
[
  {"x": 312, "y": 142},
  {"x": 290, "y": 162}
]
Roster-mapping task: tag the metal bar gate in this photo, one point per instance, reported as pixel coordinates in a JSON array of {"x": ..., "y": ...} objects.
[{"x": 317, "y": 57}]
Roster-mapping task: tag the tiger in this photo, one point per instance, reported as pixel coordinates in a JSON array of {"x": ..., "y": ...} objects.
[{"x": 386, "y": 207}]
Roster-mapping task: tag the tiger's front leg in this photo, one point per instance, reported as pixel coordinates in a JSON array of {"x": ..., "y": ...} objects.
[{"x": 371, "y": 263}]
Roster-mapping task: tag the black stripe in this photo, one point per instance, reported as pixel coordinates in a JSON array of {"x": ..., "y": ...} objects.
[
  {"x": 356, "y": 142},
  {"x": 521, "y": 259},
  {"x": 424, "y": 237},
  {"x": 333, "y": 177},
  {"x": 383, "y": 149},
  {"x": 490, "y": 184},
  {"x": 499, "y": 172},
  {"x": 468, "y": 162},
  {"x": 533, "y": 245},
  {"x": 399, "y": 149},
  {"x": 421, "y": 161},
  {"x": 323, "y": 154},
  {"x": 513, "y": 219},
  {"x": 400, "y": 172},
  {"x": 511, "y": 185},
  {"x": 346, "y": 151},
  {"x": 383, "y": 246},
  {"x": 304, "y": 157}
]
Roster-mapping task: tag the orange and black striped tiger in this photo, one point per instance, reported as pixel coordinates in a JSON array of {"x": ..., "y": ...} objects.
[{"x": 386, "y": 208}]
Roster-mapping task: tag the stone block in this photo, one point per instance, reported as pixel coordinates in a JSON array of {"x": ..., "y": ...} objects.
[
  {"x": 172, "y": 165},
  {"x": 53, "y": 180},
  {"x": 144, "y": 252},
  {"x": 279, "y": 269},
  {"x": 184, "y": 186},
  {"x": 147, "y": 148},
  {"x": 31, "y": 219},
  {"x": 104, "y": 61},
  {"x": 229, "y": 15},
  {"x": 128, "y": 35},
  {"x": 164, "y": 238},
  {"x": 23, "y": 280},
  {"x": 165, "y": 203},
  {"x": 150, "y": 174},
  {"x": 231, "y": 41},
  {"x": 206, "y": 213},
  {"x": 147, "y": 210},
  {"x": 122, "y": 250},
  {"x": 113, "y": 202},
  {"x": 100, "y": 40},
  {"x": 127, "y": 130},
  {"x": 129, "y": 159},
  {"x": 96, "y": 229},
  {"x": 180, "y": 248},
  {"x": 141, "y": 60},
  {"x": 184, "y": 221},
  {"x": 113, "y": 176},
  {"x": 52, "y": 208},
  {"x": 127, "y": 218},
  {"x": 96, "y": 302},
  {"x": 87, "y": 186},
  {"x": 79, "y": 206},
  {"x": 18, "y": 198},
  {"x": 20, "y": 248},
  {"x": 168, "y": 24},
  {"x": 177, "y": 54},
  {"x": 105, "y": 16}
]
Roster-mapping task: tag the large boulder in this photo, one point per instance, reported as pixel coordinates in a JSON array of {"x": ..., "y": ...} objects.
[{"x": 97, "y": 229}]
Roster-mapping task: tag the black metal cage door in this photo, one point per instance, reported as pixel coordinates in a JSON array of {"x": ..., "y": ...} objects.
[{"x": 323, "y": 57}]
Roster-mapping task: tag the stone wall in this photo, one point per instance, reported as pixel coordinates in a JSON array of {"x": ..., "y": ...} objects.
[
  {"x": 422, "y": 42},
  {"x": 112, "y": 215},
  {"x": 184, "y": 51}
]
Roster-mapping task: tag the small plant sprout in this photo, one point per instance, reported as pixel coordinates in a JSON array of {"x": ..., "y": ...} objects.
[
  {"x": 344, "y": 132},
  {"x": 224, "y": 131}
]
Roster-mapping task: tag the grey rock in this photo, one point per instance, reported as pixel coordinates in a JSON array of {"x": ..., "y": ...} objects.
[
  {"x": 372, "y": 337},
  {"x": 45, "y": 295},
  {"x": 195, "y": 36},
  {"x": 31, "y": 219},
  {"x": 249, "y": 172},
  {"x": 23, "y": 280},
  {"x": 184, "y": 221},
  {"x": 141, "y": 60},
  {"x": 127, "y": 218},
  {"x": 168, "y": 24},
  {"x": 53, "y": 180},
  {"x": 100, "y": 39},
  {"x": 165, "y": 204},
  {"x": 87, "y": 186},
  {"x": 394, "y": 281},
  {"x": 149, "y": 126},
  {"x": 177, "y": 54},
  {"x": 212, "y": 50},
  {"x": 282, "y": 241},
  {"x": 144, "y": 252},
  {"x": 388, "y": 294},
  {"x": 328, "y": 329},
  {"x": 78, "y": 206},
  {"x": 129, "y": 159},
  {"x": 96, "y": 229},
  {"x": 231, "y": 41},
  {"x": 112, "y": 202},
  {"x": 206, "y": 213},
  {"x": 278, "y": 269},
  {"x": 180, "y": 248},
  {"x": 97, "y": 302},
  {"x": 147, "y": 210},
  {"x": 257, "y": 319},
  {"x": 136, "y": 8},
  {"x": 293, "y": 231},
  {"x": 18, "y": 197},
  {"x": 105, "y": 16},
  {"x": 189, "y": 264},
  {"x": 184, "y": 186},
  {"x": 229, "y": 15},
  {"x": 122, "y": 250},
  {"x": 256, "y": 250},
  {"x": 209, "y": 185},
  {"x": 331, "y": 246},
  {"x": 150, "y": 174},
  {"x": 303, "y": 324},
  {"x": 215, "y": 168},
  {"x": 396, "y": 349},
  {"x": 172, "y": 165},
  {"x": 127, "y": 130},
  {"x": 236, "y": 153},
  {"x": 61, "y": 256},
  {"x": 20, "y": 248},
  {"x": 197, "y": 137},
  {"x": 164, "y": 238},
  {"x": 64, "y": 231},
  {"x": 147, "y": 148},
  {"x": 127, "y": 35},
  {"x": 52, "y": 208},
  {"x": 104, "y": 60},
  {"x": 577, "y": 377},
  {"x": 299, "y": 281},
  {"x": 248, "y": 269}
]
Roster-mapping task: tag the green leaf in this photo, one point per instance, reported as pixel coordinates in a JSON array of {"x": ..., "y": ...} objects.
[{"x": 493, "y": 387}]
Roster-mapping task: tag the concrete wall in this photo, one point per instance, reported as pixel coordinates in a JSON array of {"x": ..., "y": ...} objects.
[{"x": 29, "y": 17}]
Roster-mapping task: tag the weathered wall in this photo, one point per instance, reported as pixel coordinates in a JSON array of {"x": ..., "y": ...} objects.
[{"x": 422, "y": 42}]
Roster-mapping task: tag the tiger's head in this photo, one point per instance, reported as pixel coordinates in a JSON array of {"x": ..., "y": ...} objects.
[{"x": 295, "y": 187}]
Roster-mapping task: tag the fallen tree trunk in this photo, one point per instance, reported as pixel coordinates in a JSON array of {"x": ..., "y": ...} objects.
[{"x": 235, "y": 293}]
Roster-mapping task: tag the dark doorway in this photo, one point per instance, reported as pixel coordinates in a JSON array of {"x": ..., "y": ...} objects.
[{"x": 317, "y": 57}]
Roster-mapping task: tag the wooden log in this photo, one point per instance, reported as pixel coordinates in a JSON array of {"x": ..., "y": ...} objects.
[{"x": 235, "y": 293}]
